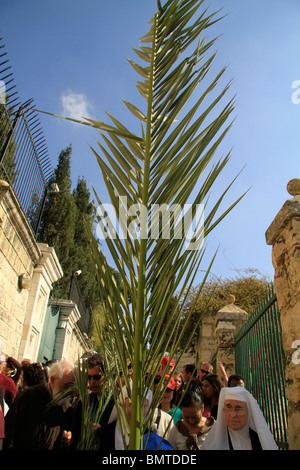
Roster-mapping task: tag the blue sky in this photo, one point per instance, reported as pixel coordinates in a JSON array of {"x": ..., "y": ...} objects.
[{"x": 70, "y": 56}]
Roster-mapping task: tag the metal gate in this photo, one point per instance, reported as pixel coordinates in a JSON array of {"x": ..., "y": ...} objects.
[
  {"x": 260, "y": 359},
  {"x": 24, "y": 159}
]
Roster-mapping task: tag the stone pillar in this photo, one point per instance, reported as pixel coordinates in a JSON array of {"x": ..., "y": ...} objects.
[
  {"x": 229, "y": 320},
  {"x": 46, "y": 272},
  {"x": 284, "y": 237},
  {"x": 70, "y": 342},
  {"x": 69, "y": 315}
]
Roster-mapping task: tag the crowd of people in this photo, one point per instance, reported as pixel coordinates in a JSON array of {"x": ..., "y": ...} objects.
[{"x": 197, "y": 410}]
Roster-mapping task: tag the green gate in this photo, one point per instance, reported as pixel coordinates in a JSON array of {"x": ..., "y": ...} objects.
[
  {"x": 260, "y": 359},
  {"x": 48, "y": 337}
]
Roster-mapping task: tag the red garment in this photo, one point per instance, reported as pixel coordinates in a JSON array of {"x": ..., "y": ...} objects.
[{"x": 7, "y": 385}]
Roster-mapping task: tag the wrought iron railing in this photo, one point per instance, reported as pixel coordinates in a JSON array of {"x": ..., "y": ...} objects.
[
  {"x": 24, "y": 160},
  {"x": 260, "y": 359}
]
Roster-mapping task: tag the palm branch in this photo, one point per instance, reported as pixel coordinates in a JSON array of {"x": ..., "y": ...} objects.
[
  {"x": 171, "y": 162},
  {"x": 161, "y": 166}
]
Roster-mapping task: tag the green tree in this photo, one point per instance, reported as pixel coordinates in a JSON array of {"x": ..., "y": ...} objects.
[
  {"x": 247, "y": 289},
  {"x": 66, "y": 219},
  {"x": 59, "y": 221},
  {"x": 7, "y": 145},
  {"x": 80, "y": 256}
]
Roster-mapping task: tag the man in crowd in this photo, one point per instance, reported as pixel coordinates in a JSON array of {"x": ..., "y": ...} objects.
[
  {"x": 189, "y": 372},
  {"x": 41, "y": 416},
  {"x": 100, "y": 403},
  {"x": 98, "y": 392},
  {"x": 204, "y": 369}
]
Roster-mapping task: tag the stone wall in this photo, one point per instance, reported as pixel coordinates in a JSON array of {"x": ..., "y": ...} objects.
[
  {"x": 18, "y": 255},
  {"x": 28, "y": 271},
  {"x": 46, "y": 271},
  {"x": 216, "y": 337},
  {"x": 229, "y": 321},
  {"x": 284, "y": 237},
  {"x": 205, "y": 346}
]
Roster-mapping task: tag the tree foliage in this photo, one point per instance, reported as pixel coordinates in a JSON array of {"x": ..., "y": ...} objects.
[
  {"x": 246, "y": 288},
  {"x": 63, "y": 227},
  {"x": 59, "y": 220},
  {"x": 80, "y": 257},
  {"x": 7, "y": 150}
]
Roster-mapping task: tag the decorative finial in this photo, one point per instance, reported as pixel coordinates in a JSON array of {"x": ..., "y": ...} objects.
[
  {"x": 293, "y": 187},
  {"x": 230, "y": 299}
]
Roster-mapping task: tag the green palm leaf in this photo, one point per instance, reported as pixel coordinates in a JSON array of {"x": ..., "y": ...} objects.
[
  {"x": 170, "y": 163},
  {"x": 173, "y": 155}
]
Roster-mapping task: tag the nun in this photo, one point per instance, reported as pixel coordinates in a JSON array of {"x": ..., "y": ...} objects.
[{"x": 240, "y": 424}]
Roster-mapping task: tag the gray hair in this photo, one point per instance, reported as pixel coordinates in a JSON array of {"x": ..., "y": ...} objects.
[{"x": 58, "y": 369}]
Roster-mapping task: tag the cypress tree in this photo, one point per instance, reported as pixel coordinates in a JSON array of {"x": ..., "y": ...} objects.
[
  {"x": 63, "y": 227},
  {"x": 58, "y": 221},
  {"x": 80, "y": 254}
]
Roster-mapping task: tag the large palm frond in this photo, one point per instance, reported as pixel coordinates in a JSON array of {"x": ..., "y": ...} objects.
[
  {"x": 159, "y": 169},
  {"x": 168, "y": 167}
]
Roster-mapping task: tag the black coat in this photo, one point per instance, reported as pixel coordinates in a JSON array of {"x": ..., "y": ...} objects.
[{"x": 34, "y": 423}]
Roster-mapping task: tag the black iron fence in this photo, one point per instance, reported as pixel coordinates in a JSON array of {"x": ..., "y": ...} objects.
[
  {"x": 85, "y": 312},
  {"x": 24, "y": 160}
]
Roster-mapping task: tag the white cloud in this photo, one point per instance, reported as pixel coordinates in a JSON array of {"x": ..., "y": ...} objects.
[{"x": 75, "y": 105}]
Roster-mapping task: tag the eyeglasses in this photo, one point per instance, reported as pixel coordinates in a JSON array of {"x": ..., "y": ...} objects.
[
  {"x": 95, "y": 377},
  {"x": 204, "y": 371},
  {"x": 235, "y": 409}
]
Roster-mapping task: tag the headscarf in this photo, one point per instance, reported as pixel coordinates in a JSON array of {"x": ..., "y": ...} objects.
[
  {"x": 121, "y": 429},
  {"x": 217, "y": 438}
]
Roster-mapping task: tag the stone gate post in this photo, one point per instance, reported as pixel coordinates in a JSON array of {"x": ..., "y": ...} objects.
[
  {"x": 229, "y": 320},
  {"x": 284, "y": 237}
]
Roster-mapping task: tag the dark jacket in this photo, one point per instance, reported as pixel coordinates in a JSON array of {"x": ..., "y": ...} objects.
[{"x": 34, "y": 422}]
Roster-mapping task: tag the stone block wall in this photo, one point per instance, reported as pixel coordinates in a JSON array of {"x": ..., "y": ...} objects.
[
  {"x": 284, "y": 237},
  {"x": 18, "y": 254}
]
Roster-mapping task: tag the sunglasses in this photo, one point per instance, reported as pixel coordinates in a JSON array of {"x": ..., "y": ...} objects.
[{"x": 95, "y": 377}]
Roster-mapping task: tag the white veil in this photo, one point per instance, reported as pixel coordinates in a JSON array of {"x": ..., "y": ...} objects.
[{"x": 217, "y": 438}]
